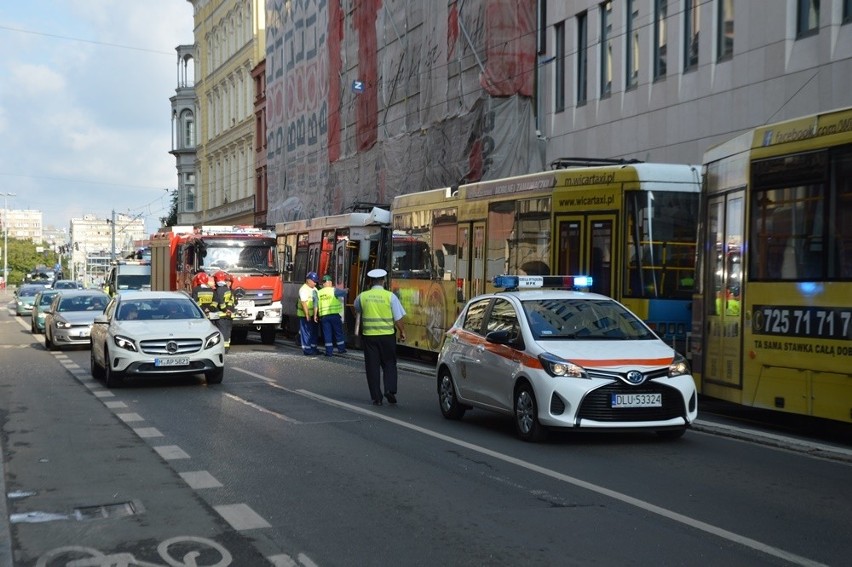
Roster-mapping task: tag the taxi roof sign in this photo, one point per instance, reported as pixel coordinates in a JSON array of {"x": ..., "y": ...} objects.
[{"x": 508, "y": 282}]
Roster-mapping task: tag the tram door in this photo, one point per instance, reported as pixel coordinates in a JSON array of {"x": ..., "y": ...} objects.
[
  {"x": 723, "y": 291},
  {"x": 587, "y": 247},
  {"x": 471, "y": 262}
]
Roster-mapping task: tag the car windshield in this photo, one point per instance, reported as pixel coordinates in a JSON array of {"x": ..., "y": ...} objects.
[
  {"x": 583, "y": 319},
  {"x": 158, "y": 309},
  {"x": 65, "y": 285},
  {"x": 29, "y": 291},
  {"x": 82, "y": 303}
]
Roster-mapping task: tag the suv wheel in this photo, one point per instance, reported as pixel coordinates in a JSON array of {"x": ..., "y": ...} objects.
[{"x": 112, "y": 379}]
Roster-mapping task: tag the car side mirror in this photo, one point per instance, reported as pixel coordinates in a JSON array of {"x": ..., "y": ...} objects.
[
  {"x": 506, "y": 337},
  {"x": 101, "y": 319}
]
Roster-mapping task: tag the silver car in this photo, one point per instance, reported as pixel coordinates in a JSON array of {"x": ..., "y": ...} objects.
[{"x": 68, "y": 320}]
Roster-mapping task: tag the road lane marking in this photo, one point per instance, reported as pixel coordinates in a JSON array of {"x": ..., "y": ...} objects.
[
  {"x": 241, "y": 517},
  {"x": 171, "y": 452},
  {"x": 130, "y": 417},
  {"x": 200, "y": 479},
  {"x": 621, "y": 497},
  {"x": 262, "y": 409},
  {"x": 114, "y": 405},
  {"x": 147, "y": 432},
  {"x": 103, "y": 394}
]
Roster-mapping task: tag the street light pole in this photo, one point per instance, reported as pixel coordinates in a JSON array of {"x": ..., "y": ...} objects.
[{"x": 6, "y": 238}]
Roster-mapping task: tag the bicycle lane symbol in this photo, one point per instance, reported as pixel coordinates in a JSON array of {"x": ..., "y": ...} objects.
[{"x": 193, "y": 549}]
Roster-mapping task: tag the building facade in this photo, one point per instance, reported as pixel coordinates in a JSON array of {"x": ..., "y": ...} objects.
[
  {"x": 364, "y": 101},
  {"x": 665, "y": 80},
  {"x": 23, "y": 224},
  {"x": 95, "y": 242},
  {"x": 184, "y": 115},
  {"x": 230, "y": 41}
]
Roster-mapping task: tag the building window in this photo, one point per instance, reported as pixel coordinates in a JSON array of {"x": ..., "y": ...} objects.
[
  {"x": 808, "y": 17},
  {"x": 632, "y": 77},
  {"x": 606, "y": 48},
  {"x": 690, "y": 33},
  {"x": 582, "y": 58},
  {"x": 559, "y": 94},
  {"x": 725, "y": 30},
  {"x": 847, "y": 11},
  {"x": 660, "y": 14}
]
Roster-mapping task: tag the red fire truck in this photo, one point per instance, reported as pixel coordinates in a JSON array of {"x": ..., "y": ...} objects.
[{"x": 248, "y": 254}]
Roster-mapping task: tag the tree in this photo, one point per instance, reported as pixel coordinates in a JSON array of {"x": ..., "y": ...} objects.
[
  {"x": 23, "y": 258},
  {"x": 171, "y": 219}
]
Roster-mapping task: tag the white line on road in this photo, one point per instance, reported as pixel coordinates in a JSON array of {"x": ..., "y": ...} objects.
[
  {"x": 171, "y": 452},
  {"x": 262, "y": 409},
  {"x": 647, "y": 506},
  {"x": 200, "y": 479},
  {"x": 241, "y": 517}
]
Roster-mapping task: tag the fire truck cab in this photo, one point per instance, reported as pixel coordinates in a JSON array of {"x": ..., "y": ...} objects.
[{"x": 246, "y": 253}]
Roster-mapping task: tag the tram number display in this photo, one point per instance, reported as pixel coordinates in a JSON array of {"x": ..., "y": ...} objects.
[{"x": 799, "y": 321}]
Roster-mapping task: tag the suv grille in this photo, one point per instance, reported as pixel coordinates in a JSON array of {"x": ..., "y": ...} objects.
[
  {"x": 597, "y": 406},
  {"x": 160, "y": 346}
]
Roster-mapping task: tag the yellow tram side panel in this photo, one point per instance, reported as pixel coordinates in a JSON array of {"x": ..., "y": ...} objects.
[
  {"x": 803, "y": 375},
  {"x": 430, "y": 304}
]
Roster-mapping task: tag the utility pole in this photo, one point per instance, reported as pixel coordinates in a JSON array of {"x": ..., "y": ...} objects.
[
  {"x": 112, "y": 252},
  {"x": 6, "y": 238}
]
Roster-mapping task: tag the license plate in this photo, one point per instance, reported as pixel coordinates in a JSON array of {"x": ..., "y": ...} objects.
[
  {"x": 83, "y": 334},
  {"x": 245, "y": 304},
  {"x": 636, "y": 400},
  {"x": 177, "y": 361}
]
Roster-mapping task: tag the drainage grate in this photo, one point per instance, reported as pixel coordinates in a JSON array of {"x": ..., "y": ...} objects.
[{"x": 103, "y": 511}]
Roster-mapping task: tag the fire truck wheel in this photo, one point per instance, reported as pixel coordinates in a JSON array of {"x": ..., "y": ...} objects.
[{"x": 267, "y": 335}]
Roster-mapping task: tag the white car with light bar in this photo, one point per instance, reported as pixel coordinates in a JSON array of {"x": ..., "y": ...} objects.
[
  {"x": 155, "y": 333},
  {"x": 562, "y": 359}
]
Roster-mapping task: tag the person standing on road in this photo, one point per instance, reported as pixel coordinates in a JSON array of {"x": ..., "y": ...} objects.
[
  {"x": 308, "y": 311},
  {"x": 202, "y": 291},
  {"x": 381, "y": 318},
  {"x": 223, "y": 306},
  {"x": 331, "y": 315}
]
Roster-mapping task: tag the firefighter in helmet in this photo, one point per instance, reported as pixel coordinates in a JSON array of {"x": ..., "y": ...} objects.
[
  {"x": 223, "y": 306},
  {"x": 202, "y": 291}
]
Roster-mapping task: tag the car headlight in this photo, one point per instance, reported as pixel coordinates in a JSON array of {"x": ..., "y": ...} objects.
[
  {"x": 63, "y": 325},
  {"x": 125, "y": 343},
  {"x": 213, "y": 340},
  {"x": 679, "y": 366},
  {"x": 556, "y": 366}
]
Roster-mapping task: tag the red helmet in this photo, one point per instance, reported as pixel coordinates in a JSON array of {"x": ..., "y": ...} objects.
[
  {"x": 220, "y": 276},
  {"x": 201, "y": 278}
]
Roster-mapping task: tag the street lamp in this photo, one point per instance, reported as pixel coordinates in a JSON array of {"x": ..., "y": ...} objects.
[{"x": 6, "y": 238}]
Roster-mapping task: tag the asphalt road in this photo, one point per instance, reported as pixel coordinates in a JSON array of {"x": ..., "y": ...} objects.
[{"x": 287, "y": 463}]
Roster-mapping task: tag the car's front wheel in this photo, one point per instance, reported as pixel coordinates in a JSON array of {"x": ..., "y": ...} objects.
[
  {"x": 96, "y": 369},
  {"x": 112, "y": 378},
  {"x": 526, "y": 415},
  {"x": 215, "y": 376},
  {"x": 451, "y": 408},
  {"x": 48, "y": 341}
]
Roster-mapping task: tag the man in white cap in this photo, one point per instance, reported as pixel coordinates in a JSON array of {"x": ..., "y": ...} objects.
[{"x": 381, "y": 318}]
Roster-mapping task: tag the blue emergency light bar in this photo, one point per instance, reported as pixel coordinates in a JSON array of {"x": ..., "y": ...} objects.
[{"x": 527, "y": 282}]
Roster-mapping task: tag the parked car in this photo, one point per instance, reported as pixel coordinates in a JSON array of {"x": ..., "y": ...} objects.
[
  {"x": 67, "y": 284},
  {"x": 24, "y": 298},
  {"x": 562, "y": 359},
  {"x": 42, "y": 301},
  {"x": 155, "y": 333},
  {"x": 68, "y": 320}
]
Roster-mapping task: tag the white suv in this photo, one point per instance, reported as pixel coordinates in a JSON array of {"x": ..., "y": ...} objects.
[
  {"x": 562, "y": 359},
  {"x": 155, "y": 333}
]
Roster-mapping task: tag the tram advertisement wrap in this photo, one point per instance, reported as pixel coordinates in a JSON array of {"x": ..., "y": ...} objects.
[{"x": 772, "y": 324}]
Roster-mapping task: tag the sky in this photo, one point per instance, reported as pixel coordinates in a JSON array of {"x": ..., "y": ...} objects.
[{"x": 85, "y": 116}]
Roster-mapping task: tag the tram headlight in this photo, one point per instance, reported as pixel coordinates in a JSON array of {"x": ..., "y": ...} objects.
[
  {"x": 559, "y": 367},
  {"x": 678, "y": 367}
]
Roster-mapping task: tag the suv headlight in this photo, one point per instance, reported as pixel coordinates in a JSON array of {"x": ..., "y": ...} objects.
[
  {"x": 557, "y": 366},
  {"x": 125, "y": 343},
  {"x": 679, "y": 366},
  {"x": 213, "y": 340}
]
